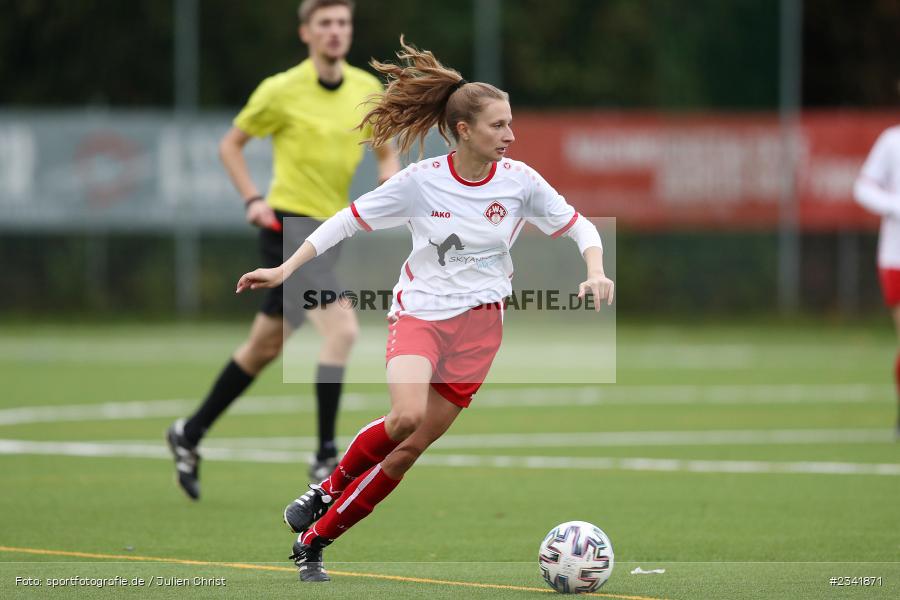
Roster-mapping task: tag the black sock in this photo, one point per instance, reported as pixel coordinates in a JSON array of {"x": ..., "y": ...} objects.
[
  {"x": 231, "y": 383},
  {"x": 329, "y": 380}
]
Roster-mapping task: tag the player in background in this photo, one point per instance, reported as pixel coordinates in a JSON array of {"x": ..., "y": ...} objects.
[
  {"x": 311, "y": 112},
  {"x": 878, "y": 190},
  {"x": 464, "y": 211}
]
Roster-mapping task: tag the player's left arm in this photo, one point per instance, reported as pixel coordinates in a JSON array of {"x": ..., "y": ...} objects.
[
  {"x": 557, "y": 218},
  {"x": 601, "y": 286},
  {"x": 388, "y": 161}
]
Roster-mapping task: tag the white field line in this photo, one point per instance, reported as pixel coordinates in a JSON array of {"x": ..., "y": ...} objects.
[
  {"x": 143, "y": 450},
  {"x": 94, "y": 449},
  {"x": 620, "y": 439},
  {"x": 683, "y": 394},
  {"x": 660, "y": 464},
  {"x": 144, "y": 409},
  {"x": 204, "y": 348},
  {"x": 666, "y": 438},
  {"x": 532, "y": 397}
]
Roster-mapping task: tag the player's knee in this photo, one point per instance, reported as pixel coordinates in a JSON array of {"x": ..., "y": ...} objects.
[
  {"x": 404, "y": 422},
  {"x": 343, "y": 335},
  {"x": 265, "y": 351}
]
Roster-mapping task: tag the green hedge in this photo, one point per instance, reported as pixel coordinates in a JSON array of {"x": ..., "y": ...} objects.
[{"x": 657, "y": 274}]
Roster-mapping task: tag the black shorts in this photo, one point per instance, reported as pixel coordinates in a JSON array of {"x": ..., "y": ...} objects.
[{"x": 313, "y": 284}]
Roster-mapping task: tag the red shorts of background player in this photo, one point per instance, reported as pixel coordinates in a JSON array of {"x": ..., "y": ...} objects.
[
  {"x": 460, "y": 349},
  {"x": 890, "y": 285}
]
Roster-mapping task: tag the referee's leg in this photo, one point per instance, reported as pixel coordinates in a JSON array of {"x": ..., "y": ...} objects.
[{"x": 262, "y": 346}]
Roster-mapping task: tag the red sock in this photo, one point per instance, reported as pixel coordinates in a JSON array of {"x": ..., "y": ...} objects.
[
  {"x": 358, "y": 501},
  {"x": 897, "y": 383},
  {"x": 368, "y": 448},
  {"x": 897, "y": 374}
]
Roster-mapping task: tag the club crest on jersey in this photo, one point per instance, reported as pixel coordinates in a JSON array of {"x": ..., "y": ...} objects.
[{"x": 495, "y": 213}]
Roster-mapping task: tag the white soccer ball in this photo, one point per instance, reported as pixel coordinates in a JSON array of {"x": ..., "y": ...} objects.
[{"x": 576, "y": 557}]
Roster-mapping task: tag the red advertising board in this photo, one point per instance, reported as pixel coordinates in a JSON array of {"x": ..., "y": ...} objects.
[{"x": 651, "y": 170}]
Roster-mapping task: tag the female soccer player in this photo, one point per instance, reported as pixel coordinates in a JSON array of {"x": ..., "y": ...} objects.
[
  {"x": 464, "y": 211},
  {"x": 878, "y": 190}
]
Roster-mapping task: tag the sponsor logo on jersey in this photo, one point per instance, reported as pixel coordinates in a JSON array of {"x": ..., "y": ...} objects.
[
  {"x": 452, "y": 241},
  {"x": 495, "y": 213},
  {"x": 484, "y": 259},
  {"x": 479, "y": 262},
  {"x": 441, "y": 214}
]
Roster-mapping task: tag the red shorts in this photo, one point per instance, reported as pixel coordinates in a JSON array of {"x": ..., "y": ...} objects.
[
  {"x": 460, "y": 349},
  {"x": 890, "y": 285}
]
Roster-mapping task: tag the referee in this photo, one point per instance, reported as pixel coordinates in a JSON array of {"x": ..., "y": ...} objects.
[{"x": 311, "y": 112}]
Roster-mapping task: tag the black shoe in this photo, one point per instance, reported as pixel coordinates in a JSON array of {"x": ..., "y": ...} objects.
[
  {"x": 300, "y": 514},
  {"x": 320, "y": 467},
  {"x": 187, "y": 460},
  {"x": 308, "y": 558}
]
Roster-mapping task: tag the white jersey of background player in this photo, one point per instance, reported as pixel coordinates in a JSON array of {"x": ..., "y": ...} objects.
[
  {"x": 878, "y": 189},
  {"x": 462, "y": 231}
]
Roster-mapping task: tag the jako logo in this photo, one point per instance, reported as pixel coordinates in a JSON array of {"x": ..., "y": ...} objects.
[{"x": 442, "y": 214}]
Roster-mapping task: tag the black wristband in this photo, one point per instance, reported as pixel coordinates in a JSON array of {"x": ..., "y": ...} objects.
[{"x": 252, "y": 199}]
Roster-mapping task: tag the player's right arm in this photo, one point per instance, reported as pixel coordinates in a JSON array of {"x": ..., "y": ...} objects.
[
  {"x": 389, "y": 205},
  {"x": 870, "y": 189},
  {"x": 231, "y": 152},
  {"x": 270, "y": 278}
]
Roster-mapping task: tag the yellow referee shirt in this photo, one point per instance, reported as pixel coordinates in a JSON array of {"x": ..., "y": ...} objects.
[{"x": 315, "y": 147}]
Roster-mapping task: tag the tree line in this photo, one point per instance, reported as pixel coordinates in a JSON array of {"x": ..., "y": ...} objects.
[{"x": 667, "y": 54}]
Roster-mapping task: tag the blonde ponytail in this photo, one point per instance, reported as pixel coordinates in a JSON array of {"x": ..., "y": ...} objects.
[{"x": 422, "y": 93}]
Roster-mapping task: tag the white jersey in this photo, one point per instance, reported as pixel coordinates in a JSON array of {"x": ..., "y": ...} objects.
[
  {"x": 462, "y": 231},
  {"x": 878, "y": 189}
]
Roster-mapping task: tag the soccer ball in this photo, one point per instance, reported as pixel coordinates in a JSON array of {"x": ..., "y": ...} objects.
[{"x": 576, "y": 557}]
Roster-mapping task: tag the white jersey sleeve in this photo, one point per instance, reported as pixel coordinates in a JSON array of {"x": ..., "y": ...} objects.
[
  {"x": 386, "y": 206},
  {"x": 549, "y": 212},
  {"x": 873, "y": 187}
]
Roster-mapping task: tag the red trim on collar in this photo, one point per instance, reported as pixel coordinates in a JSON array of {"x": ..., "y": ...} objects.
[{"x": 463, "y": 181}]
